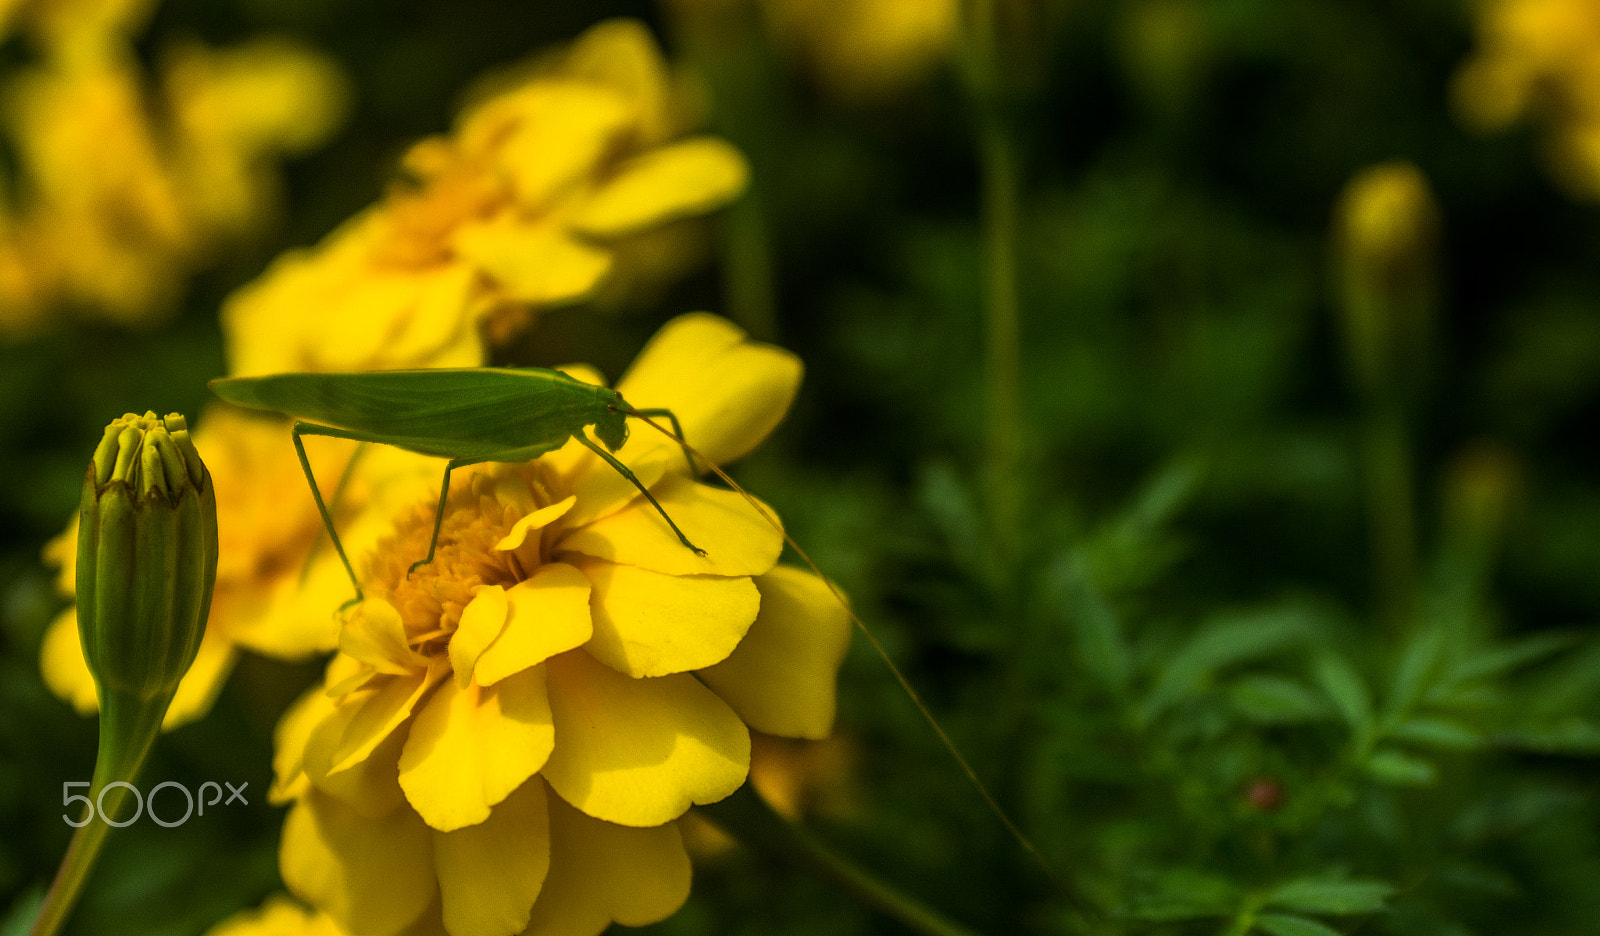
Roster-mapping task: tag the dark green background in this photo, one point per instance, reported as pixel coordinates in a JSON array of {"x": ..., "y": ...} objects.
[{"x": 1192, "y": 481}]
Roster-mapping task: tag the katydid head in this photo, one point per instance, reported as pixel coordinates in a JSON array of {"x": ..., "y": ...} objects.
[{"x": 611, "y": 420}]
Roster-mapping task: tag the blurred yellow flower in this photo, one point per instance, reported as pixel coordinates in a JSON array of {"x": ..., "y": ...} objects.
[
  {"x": 234, "y": 112},
  {"x": 1541, "y": 59},
  {"x": 866, "y": 50},
  {"x": 521, "y": 207},
  {"x": 278, "y": 916},
  {"x": 1385, "y": 241},
  {"x": 118, "y": 200},
  {"x": 801, "y": 777},
  {"x": 508, "y": 734},
  {"x": 266, "y": 597}
]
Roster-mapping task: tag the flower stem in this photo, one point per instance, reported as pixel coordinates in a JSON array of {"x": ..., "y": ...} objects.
[
  {"x": 1002, "y": 320},
  {"x": 746, "y": 816},
  {"x": 1391, "y": 511},
  {"x": 128, "y": 730},
  {"x": 1000, "y": 175},
  {"x": 748, "y": 276}
]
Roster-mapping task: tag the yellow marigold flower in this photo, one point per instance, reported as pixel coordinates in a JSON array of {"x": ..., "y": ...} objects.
[
  {"x": 1540, "y": 58},
  {"x": 508, "y": 734},
  {"x": 116, "y": 207},
  {"x": 797, "y": 777},
  {"x": 867, "y": 49},
  {"x": 234, "y": 112},
  {"x": 101, "y": 215},
  {"x": 521, "y": 207},
  {"x": 278, "y": 916},
  {"x": 267, "y": 525}
]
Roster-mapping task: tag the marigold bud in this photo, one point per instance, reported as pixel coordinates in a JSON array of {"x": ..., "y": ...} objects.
[
  {"x": 1386, "y": 232},
  {"x": 147, "y": 560}
]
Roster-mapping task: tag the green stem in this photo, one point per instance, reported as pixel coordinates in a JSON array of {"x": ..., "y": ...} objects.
[
  {"x": 748, "y": 817},
  {"x": 1002, "y": 318},
  {"x": 747, "y": 267},
  {"x": 1391, "y": 511},
  {"x": 1001, "y": 191},
  {"x": 128, "y": 729}
]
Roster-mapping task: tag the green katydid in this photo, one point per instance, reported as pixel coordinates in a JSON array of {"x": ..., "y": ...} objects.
[
  {"x": 466, "y": 415},
  {"x": 476, "y": 415}
]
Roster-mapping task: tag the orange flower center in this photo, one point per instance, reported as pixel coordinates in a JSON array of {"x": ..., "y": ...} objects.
[
  {"x": 478, "y": 515},
  {"x": 444, "y": 191}
]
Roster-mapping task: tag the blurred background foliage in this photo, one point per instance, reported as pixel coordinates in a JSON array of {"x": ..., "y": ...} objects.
[{"x": 1198, "y": 662}]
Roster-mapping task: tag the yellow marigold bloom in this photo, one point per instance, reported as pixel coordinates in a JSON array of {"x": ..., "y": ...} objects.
[
  {"x": 508, "y": 734},
  {"x": 119, "y": 201},
  {"x": 267, "y": 525},
  {"x": 1540, "y": 58},
  {"x": 101, "y": 217},
  {"x": 867, "y": 49},
  {"x": 799, "y": 777},
  {"x": 235, "y": 112},
  {"x": 521, "y": 207},
  {"x": 278, "y": 916}
]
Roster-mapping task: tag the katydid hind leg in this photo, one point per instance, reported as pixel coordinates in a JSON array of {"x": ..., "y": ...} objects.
[
  {"x": 339, "y": 491},
  {"x": 627, "y": 473},
  {"x": 677, "y": 433},
  {"x": 304, "y": 429},
  {"x": 438, "y": 514}
]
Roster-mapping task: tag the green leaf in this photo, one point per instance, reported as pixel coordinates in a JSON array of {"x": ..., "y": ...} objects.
[
  {"x": 1349, "y": 693},
  {"x": 1411, "y": 675},
  {"x": 1101, "y": 646},
  {"x": 1437, "y": 733},
  {"x": 1396, "y": 769},
  {"x": 1500, "y": 659},
  {"x": 1162, "y": 497},
  {"x": 1225, "y": 641},
  {"x": 1184, "y": 894},
  {"x": 19, "y": 921},
  {"x": 1331, "y": 895},
  {"x": 1275, "y": 700},
  {"x": 1284, "y": 924},
  {"x": 1578, "y": 736}
]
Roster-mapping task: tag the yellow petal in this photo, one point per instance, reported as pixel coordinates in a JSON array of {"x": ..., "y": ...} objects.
[
  {"x": 640, "y": 752},
  {"x": 533, "y": 263},
  {"x": 600, "y": 873},
  {"x": 277, "y": 916},
  {"x": 469, "y": 748},
  {"x": 289, "y": 742},
  {"x": 62, "y": 552},
  {"x": 680, "y": 180},
  {"x": 380, "y": 713},
  {"x": 436, "y": 317},
  {"x": 547, "y": 136},
  {"x": 62, "y": 665},
  {"x": 549, "y": 614},
  {"x": 374, "y": 634},
  {"x": 198, "y": 689},
  {"x": 490, "y": 873},
  {"x": 727, "y": 392},
  {"x": 736, "y": 538},
  {"x": 481, "y": 622},
  {"x": 366, "y": 786},
  {"x": 622, "y": 55},
  {"x": 373, "y": 876},
  {"x": 602, "y": 490},
  {"x": 537, "y": 520},
  {"x": 64, "y": 670},
  {"x": 781, "y": 678},
  {"x": 649, "y": 624}
]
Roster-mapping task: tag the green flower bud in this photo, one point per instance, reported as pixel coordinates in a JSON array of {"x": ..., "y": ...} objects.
[
  {"x": 147, "y": 560},
  {"x": 1385, "y": 240}
]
